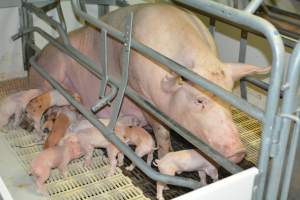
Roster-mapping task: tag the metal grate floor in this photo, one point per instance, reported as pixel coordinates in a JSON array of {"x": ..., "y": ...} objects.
[
  {"x": 250, "y": 130},
  {"x": 81, "y": 183}
]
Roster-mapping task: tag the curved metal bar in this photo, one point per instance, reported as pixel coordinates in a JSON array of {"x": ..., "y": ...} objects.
[
  {"x": 39, "y": 12},
  {"x": 92, "y": 67},
  {"x": 287, "y": 108},
  {"x": 111, "y": 136}
]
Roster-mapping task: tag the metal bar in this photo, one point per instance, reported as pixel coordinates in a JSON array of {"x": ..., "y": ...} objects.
[
  {"x": 287, "y": 108},
  {"x": 103, "y": 57},
  {"x": 253, "y": 5},
  {"x": 125, "y": 57},
  {"x": 61, "y": 17},
  {"x": 54, "y": 24},
  {"x": 92, "y": 67},
  {"x": 102, "y": 10},
  {"x": 242, "y": 59},
  {"x": 241, "y": 104},
  {"x": 82, "y": 5},
  {"x": 290, "y": 160},
  {"x": 26, "y": 21},
  {"x": 275, "y": 41},
  {"x": 212, "y": 26},
  {"x": 111, "y": 136}
]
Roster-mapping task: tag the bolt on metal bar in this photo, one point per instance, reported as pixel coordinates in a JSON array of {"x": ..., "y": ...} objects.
[
  {"x": 242, "y": 59},
  {"x": 54, "y": 24},
  {"x": 241, "y": 104},
  {"x": 288, "y": 102},
  {"x": 111, "y": 136},
  {"x": 291, "y": 158},
  {"x": 92, "y": 67},
  {"x": 275, "y": 41}
]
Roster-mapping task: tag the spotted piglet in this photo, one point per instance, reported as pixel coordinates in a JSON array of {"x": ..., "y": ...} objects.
[
  {"x": 54, "y": 157},
  {"x": 15, "y": 104},
  {"x": 58, "y": 119},
  {"x": 184, "y": 161},
  {"x": 37, "y": 106},
  {"x": 143, "y": 141}
]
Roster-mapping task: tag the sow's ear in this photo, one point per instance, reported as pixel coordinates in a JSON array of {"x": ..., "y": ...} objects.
[
  {"x": 171, "y": 82},
  {"x": 238, "y": 70}
]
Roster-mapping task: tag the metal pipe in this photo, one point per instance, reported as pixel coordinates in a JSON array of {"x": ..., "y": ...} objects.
[
  {"x": 105, "y": 99},
  {"x": 290, "y": 160},
  {"x": 253, "y": 5},
  {"x": 111, "y": 136},
  {"x": 242, "y": 58},
  {"x": 39, "y": 12},
  {"x": 287, "y": 108},
  {"x": 241, "y": 104},
  {"x": 92, "y": 67}
]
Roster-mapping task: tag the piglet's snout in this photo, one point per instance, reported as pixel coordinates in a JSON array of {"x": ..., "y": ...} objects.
[{"x": 46, "y": 130}]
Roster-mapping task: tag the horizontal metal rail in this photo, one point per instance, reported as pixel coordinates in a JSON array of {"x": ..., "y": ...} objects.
[{"x": 92, "y": 67}]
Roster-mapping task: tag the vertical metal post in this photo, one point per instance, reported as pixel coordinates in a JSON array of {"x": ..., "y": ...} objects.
[
  {"x": 103, "y": 58},
  {"x": 125, "y": 57},
  {"x": 61, "y": 16},
  {"x": 26, "y": 21},
  {"x": 102, "y": 10},
  {"x": 291, "y": 158},
  {"x": 242, "y": 58},
  {"x": 212, "y": 26}
]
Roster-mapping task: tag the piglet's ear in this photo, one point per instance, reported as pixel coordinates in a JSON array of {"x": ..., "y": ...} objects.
[{"x": 239, "y": 70}]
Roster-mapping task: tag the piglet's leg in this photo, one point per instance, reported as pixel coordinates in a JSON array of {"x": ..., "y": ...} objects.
[
  {"x": 88, "y": 156},
  {"x": 17, "y": 118},
  {"x": 162, "y": 136},
  {"x": 150, "y": 158},
  {"x": 140, "y": 152},
  {"x": 120, "y": 159},
  {"x": 202, "y": 176},
  {"x": 159, "y": 190},
  {"x": 112, "y": 154}
]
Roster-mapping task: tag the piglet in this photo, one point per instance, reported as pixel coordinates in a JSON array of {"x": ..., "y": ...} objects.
[
  {"x": 184, "y": 161},
  {"x": 15, "y": 104},
  {"x": 37, "y": 106},
  {"x": 57, "y": 123},
  {"x": 143, "y": 141},
  {"x": 54, "y": 157},
  {"x": 90, "y": 138}
]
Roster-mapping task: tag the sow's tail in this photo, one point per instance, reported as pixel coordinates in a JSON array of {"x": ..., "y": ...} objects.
[{"x": 156, "y": 162}]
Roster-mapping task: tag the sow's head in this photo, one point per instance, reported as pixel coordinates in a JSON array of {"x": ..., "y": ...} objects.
[{"x": 205, "y": 114}]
